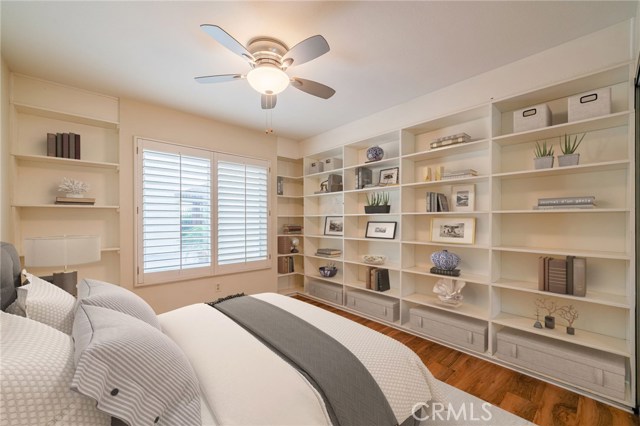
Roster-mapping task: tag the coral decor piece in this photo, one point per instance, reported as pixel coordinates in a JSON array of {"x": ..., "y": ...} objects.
[{"x": 73, "y": 188}]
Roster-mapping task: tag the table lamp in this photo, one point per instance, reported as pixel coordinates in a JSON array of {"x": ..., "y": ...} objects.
[{"x": 62, "y": 251}]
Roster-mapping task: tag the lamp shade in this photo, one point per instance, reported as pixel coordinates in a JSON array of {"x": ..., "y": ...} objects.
[
  {"x": 268, "y": 79},
  {"x": 61, "y": 250}
]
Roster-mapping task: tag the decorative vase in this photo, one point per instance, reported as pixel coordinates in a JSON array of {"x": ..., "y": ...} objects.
[
  {"x": 549, "y": 321},
  {"x": 568, "y": 160},
  {"x": 327, "y": 271},
  {"x": 375, "y": 153},
  {"x": 377, "y": 209},
  {"x": 445, "y": 260},
  {"x": 543, "y": 162},
  {"x": 571, "y": 330}
]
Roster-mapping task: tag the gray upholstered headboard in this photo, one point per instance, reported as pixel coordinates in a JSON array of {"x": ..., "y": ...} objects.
[{"x": 9, "y": 274}]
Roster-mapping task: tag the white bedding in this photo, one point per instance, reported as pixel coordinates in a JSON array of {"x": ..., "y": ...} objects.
[{"x": 242, "y": 380}]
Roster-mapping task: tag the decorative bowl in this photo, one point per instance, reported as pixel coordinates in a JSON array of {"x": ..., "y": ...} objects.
[
  {"x": 374, "y": 259},
  {"x": 327, "y": 271},
  {"x": 445, "y": 260}
]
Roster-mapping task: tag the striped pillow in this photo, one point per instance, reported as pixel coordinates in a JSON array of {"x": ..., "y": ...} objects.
[
  {"x": 132, "y": 370},
  {"x": 99, "y": 293}
]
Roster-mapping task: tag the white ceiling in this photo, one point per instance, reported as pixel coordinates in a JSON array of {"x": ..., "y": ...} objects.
[{"x": 382, "y": 53}]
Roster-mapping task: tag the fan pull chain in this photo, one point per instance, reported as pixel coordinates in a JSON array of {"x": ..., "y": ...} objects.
[{"x": 268, "y": 122}]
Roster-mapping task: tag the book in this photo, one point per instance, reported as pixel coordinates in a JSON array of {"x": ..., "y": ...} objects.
[
  {"x": 570, "y": 260},
  {"x": 72, "y": 145},
  {"x": 329, "y": 251},
  {"x": 374, "y": 278},
  {"x": 450, "y": 137},
  {"x": 565, "y": 207},
  {"x": 580, "y": 276},
  {"x": 382, "y": 279},
  {"x": 58, "y": 144},
  {"x": 364, "y": 177},
  {"x": 368, "y": 277},
  {"x": 71, "y": 200},
  {"x": 458, "y": 177},
  {"x": 434, "y": 145},
  {"x": 443, "y": 204},
  {"x": 461, "y": 172},
  {"x": 51, "y": 144},
  {"x": 77, "y": 142},
  {"x": 328, "y": 255},
  {"x": 449, "y": 272},
  {"x": 557, "y": 276},
  {"x": 65, "y": 145},
  {"x": 542, "y": 273},
  {"x": 566, "y": 201}
]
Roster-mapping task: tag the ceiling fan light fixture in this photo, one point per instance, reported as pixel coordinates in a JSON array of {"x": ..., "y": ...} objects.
[{"x": 268, "y": 79}]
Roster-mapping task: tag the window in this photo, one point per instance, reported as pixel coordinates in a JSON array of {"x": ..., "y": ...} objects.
[{"x": 181, "y": 193}]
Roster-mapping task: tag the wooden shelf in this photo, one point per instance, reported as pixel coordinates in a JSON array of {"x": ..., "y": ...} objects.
[
  {"x": 362, "y": 286},
  {"x": 565, "y": 211},
  {"x": 446, "y": 151},
  {"x": 566, "y": 252},
  {"x": 66, "y": 161},
  {"x": 466, "y": 309},
  {"x": 64, "y": 206},
  {"x": 557, "y": 171},
  {"x": 427, "y": 184},
  {"x": 472, "y": 278}
]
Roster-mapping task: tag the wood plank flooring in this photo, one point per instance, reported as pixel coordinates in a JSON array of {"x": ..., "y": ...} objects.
[{"x": 532, "y": 399}]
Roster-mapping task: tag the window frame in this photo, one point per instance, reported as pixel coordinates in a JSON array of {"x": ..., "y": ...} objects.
[{"x": 214, "y": 269}]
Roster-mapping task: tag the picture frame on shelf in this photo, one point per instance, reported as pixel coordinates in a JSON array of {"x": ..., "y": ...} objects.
[
  {"x": 334, "y": 225},
  {"x": 389, "y": 176},
  {"x": 381, "y": 230},
  {"x": 455, "y": 230},
  {"x": 463, "y": 198}
]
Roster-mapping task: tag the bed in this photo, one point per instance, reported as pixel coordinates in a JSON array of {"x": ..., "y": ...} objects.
[{"x": 240, "y": 361}]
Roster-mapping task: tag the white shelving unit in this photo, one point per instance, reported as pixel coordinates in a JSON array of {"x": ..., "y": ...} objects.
[
  {"x": 39, "y": 107},
  {"x": 290, "y": 211},
  {"x": 501, "y": 266}
]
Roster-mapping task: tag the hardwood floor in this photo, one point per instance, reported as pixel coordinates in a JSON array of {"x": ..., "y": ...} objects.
[{"x": 532, "y": 399}]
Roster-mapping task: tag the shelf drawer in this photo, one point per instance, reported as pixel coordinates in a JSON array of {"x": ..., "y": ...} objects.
[
  {"x": 589, "y": 368},
  {"x": 466, "y": 332},
  {"x": 326, "y": 291},
  {"x": 374, "y": 305}
]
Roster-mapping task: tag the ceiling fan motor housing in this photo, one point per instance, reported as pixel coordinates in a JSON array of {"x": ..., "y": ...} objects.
[{"x": 267, "y": 51}]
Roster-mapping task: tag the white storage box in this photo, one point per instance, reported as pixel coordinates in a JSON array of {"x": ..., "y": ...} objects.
[
  {"x": 532, "y": 117},
  {"x": 469, "y": 333},
  {"x": 590, "y": 104},
  {"x": 585, "y": 367},
  {"x": 372, "y": 304},
  {"x": 326, "y": 291},
  {"x": 332, "y": 163},
  {"x": 316, "y": 167}
]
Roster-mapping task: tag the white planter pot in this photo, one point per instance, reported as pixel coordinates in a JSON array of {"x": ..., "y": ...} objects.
[
  {"x": 568, "y": 160},
  {"x": 543, "y": 163}
]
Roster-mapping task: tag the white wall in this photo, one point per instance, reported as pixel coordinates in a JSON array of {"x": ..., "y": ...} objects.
[
  {"x": 6, "y": 230},
  {"x": 288, "y": 148},
  {"x": 155, "y": 122},
  {"x": 607, "y": 47}
]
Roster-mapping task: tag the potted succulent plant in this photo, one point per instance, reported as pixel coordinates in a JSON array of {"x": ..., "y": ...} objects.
[
  {"x": 544, "y": 156},
  {"x": 568, "y": 147},
  {"x": 378, "y": 203}
]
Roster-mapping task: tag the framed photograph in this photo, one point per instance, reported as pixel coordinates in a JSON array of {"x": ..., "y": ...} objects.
[
  {"x": 389, "y": 176},
  {"x": 334, "y": 225},
  {"x": 455, "y": 230},
  {"x": 463, "y": 198},
  {"x": 384, "y": 230}
]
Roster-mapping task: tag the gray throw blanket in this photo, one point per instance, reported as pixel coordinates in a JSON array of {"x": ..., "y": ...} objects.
[{"x": 351, "y": 394}]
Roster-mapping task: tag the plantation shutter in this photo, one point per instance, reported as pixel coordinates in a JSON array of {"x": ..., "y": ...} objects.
[
  {"x": 242, "y": 213},
  {"x": 175, "y": 212}
]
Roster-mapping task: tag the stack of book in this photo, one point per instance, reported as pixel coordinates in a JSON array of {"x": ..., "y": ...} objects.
[
  {"x": 448, "y": 272},
  {"x": 437, "y": 202},
  {"x": 76, "y": 201},
  {"x": 364, "y": 177},
  {"x": 563, "y": 276},
  {"x": 587, "y": 202},
  {"x": 450, "y": 140},
  {"x": 378, "y": 279},
  {"x": 285, "y": 265},
  {"x": 459, "y": 174},
  {"x": 328, "y": 252},
  {"x": 63, "y": 145},
  {"x": 291, "y": 229}
]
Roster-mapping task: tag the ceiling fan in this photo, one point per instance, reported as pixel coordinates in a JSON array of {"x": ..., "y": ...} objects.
[{"x": 269, "y": 58}]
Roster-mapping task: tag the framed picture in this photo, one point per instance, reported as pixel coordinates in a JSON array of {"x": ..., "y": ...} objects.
[
  {"x": 384, "y": 230},
  {"x": 334, "y": 225},
  {"x": 455, "y": 230},
  {"x": 463, "y": 198},
  {"x": 389, "y": 176}
]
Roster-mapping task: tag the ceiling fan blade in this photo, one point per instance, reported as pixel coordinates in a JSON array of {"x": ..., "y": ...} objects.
[
  {"x": 268, "y": 101},
  {"x": 313, "y": 88},
  {"x": 306, "y": 51},
  {"x": 218, "y": 78},
  {"x": 222, "y": 37}
]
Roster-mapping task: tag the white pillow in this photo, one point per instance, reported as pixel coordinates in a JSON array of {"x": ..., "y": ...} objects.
[
  {"x": 133, "y": 371},
  {"x": 36, "y": 368},
  {"x": 47, "y": 303}
]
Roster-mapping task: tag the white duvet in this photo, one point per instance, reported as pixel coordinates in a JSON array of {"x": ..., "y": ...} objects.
[{"x": 245, "y": 383}]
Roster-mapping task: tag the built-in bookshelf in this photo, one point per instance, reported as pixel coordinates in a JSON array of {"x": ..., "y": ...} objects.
[
  {"x": 500, "y": 266},
  {"x": 39, "y": 107},
  {"x": 290, "y": 220}
]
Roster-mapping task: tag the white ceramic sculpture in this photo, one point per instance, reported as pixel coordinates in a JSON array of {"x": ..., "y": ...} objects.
[{"x": 449, "y": 291}]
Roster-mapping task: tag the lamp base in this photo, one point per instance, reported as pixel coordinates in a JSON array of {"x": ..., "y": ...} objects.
[{"x": 66, "y": 281}]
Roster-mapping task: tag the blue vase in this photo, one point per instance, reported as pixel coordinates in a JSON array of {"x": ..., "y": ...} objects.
[
  {"x": 445, "y": 260},
  {"x": 375, "y": 153}
]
